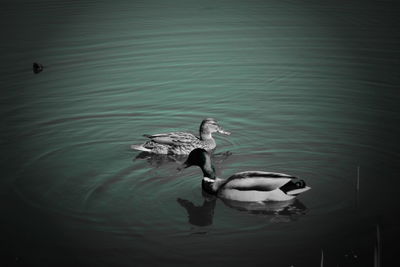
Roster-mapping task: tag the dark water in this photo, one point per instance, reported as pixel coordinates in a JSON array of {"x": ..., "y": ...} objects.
[{"x": 308, "y": 88}]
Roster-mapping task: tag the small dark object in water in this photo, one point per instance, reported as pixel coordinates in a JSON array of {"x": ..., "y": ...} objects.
[{"x": 37, "y": 67}]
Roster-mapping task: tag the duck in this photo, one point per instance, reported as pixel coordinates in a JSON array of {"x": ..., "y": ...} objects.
[
  {"x": 182, "y": 143},
  {"x": 246, "y": 186},
  {"x": 37, "y": 67}
]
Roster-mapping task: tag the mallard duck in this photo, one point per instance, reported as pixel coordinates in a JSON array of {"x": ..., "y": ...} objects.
[
  {"x": 247, "y": 186},
  {"x": 181, "y": 143}
]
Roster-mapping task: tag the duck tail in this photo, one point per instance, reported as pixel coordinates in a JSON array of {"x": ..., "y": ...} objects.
[
  {"x": 295, "y": 188},
  {"x": 140, "y": 148}
]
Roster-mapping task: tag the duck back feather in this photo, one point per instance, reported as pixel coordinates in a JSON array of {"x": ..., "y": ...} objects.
[{"x": 174, "y": 138}]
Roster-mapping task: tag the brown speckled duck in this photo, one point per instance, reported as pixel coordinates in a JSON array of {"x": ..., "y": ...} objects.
[{"x": 181, "y": 143}]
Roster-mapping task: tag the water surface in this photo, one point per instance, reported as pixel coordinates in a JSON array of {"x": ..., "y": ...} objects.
[{"x": 306, "y": 88}]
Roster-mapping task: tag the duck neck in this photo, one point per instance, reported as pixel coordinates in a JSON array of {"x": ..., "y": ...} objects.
[
  {"x": 209, "y": 177},
  {"x": 205, "y": 134},
  {"x": 208, "y": 169}
]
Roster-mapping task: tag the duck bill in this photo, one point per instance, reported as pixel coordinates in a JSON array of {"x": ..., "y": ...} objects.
[
  {"x": 183, "y": 166},
  {"x": 222, "y": 131}
]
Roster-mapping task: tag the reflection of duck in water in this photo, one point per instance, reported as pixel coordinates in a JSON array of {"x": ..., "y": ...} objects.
[
  {"x": 181, "y": 143},
  {"x": 248, "y": 186},
  {"x": 281, "y": 211},
  {"x": 199, "y": 215},
  {"x": 158, "y": 160}
]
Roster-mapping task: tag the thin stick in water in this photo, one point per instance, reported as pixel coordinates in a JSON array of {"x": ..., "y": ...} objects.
[
  {"x": 358, "y": 178},
  {"x": 377, "y": 250},
  {"x": 322, "y": 258},
  {"x": 357, "y": 195}
]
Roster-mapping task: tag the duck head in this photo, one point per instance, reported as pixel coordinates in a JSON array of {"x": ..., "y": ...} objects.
[
  {"x": 209, "y": 126},
  {"x": 201, "y": 158},
  {"x": 197, "y": 157}
]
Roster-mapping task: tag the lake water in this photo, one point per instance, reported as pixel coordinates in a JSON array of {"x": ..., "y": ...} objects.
[{"x": 306, "y": 88}]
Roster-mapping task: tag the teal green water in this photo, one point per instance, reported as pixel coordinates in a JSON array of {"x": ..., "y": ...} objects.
[{"x": 305, "y": 88}]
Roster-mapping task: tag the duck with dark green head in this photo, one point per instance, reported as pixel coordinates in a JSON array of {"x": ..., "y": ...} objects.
[{"x": 247, "y": 186}]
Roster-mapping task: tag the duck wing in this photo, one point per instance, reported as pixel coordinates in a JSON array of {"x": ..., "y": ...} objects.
[
  {"x": 173, "y": 138},
  {"x": 257, "y": 180}
]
